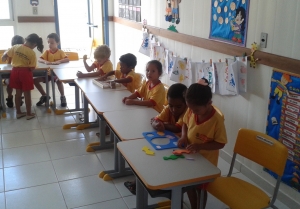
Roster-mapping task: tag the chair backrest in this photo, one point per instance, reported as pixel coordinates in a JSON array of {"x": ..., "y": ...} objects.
[
  {"x": 262, "y": 149},
  {"x": 139, "y": 80},
  {"x": 1, "y": 53},
  {"x": 72, "y": 56}
]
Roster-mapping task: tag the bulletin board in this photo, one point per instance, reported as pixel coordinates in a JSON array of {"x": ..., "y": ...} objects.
[
  {"x": 283, "y": 122},
  {"x": 229, "y": 21}
]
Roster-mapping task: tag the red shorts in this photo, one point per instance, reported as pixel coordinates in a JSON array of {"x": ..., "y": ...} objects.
[{"x": 21, "y": 78}]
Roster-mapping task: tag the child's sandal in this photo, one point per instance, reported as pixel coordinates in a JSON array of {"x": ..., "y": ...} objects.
[
  {"x": 21, "y": 115},
  {"x": 29, "y": 117}
]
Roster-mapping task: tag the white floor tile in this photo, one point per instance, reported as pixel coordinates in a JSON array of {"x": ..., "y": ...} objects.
[
  {"x": 88, "y": 190},
  {"x": 69, "y": 148},
  {"x": 41, "y": 197},
  {"x": 76, "y": 167},
  {"x": 22, "y": 124},
  {"x": 59, "y": 134},
  {"x": 29, "y": 175},
  {"x": 107, "y": 158},
  {"x": 24, "y": 138},
  {"x": 1, "y": 159},
  {"x": 2, "y": 201},
  {"x": 11, "y": 113},
  {"x": 41, "y": 111},
  {"x": 117, "y": 203},
  {"x": 55, "y": 120},
  {"x": 25, "y": 155},
  {"x": 131, "y": 200},
  {"x": 119, "y": 183}
]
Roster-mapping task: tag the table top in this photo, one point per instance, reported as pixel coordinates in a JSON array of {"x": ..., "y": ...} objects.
[
  {"x": 157, "y": 173},
  {"x": 130, "y": 124},
  {"x": 108, "y": 101},
  {"x": 87, "y": 85},
  {"x": 71, "y": 64},
  {"x": 67, "y": 75},
  {"x": 8, "y": 68}
]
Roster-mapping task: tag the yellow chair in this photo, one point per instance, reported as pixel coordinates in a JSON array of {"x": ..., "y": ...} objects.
[
  {"x": 72, "y": 56},
  {"x": 166, "y": 93},
  {"x": 261, "y": 149},
  {"x": 139, "y": 80},
  {"x": 1, "y": 53}
]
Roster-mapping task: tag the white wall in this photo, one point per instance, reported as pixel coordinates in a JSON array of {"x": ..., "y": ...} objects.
[{"x": 279, "y": 18}]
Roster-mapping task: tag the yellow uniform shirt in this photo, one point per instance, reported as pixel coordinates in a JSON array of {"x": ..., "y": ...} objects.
[
  {"x": 212, "y": 129},
  {"x": 22, "y": 56},
  {"x": 156, "y": 94},
  {"x": 130, "y": 86},
  {"x": 105, "y": 68},
  {"x": 53, "y": 56},
  {"x": 167, "y": 117}
]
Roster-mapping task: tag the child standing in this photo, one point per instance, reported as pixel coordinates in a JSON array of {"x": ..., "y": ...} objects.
[
  {"x": 53, "y": 56},
  {"x": 171, "y": 118},
  {"x": 203, "y": 130},
  {"x": 9, "y": 100},
  {"x": 21, "y": 78},
  {"x": 102, "y": 63},
  {"x": 125, "y": 75},
  {"x": 151, "y": 92}
]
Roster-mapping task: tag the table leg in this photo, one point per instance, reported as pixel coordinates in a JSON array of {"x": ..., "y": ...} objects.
[
  {"x": 141, "y": 195},
  {"x": 2, "y": 98},
  {"x": 47, "y": 92},
  {"x": 176, "y": 198},
  {"x": 77, "y": 103},
  {"x": 201, "y": 200},
  {"x": 53, "y": 90}
]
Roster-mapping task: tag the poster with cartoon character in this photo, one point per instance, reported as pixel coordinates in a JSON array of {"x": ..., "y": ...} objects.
[
  {"x": 181, "y": 72},
  {"x": 229, "y": 21},
  {"x": 283, "y": 122}
]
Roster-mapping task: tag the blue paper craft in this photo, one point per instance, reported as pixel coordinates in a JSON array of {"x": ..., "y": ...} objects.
[{"x": 149, "y": 136}]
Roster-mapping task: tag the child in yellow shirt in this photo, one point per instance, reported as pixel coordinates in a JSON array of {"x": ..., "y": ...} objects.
[
  {"x": 102, "y": 63},
  {"x": 125, "y": 75},
  {"x": 53, "y": 56},
  {"x": 151, "y": 92},
  {"x": 171, "y": 118},
  {"x": 203, "y": 130}
]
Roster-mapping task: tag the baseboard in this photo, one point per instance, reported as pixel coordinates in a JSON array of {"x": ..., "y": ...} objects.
[{"x": 265, "y": 184}]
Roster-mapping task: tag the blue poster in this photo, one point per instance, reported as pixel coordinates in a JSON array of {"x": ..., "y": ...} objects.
[
  {"x": 283, "y": 122},
  {"x": 229, "y": 21}
]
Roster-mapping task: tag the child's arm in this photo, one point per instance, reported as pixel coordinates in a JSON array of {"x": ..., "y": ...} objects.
[
  {"x": 44, "y": 61},
  {"x": 131, "y": 97},
  {"x": 103, "y": 78},
  {"x": 172, "y": 128},
  {"x": 4, "y": 56},
  {"x": 157, "y": 124},
  {"x": 64, "y": 60},
  {"x": 85, "y": 75},
  {"x": 182, "y": 142},
  {"x": 213, "y": 145},
  {"x": 124, "y": 80},
  {"x": 87, "y": 67},
  {"x": 147, "y": 103}
]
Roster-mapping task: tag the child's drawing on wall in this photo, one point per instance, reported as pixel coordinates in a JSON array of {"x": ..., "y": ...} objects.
[{"x": 229, "y": 21}]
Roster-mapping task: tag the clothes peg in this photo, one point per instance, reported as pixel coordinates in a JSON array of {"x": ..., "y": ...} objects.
[
  {"x": 226, "y": 60},
  {"x": 210, "y": 61}
]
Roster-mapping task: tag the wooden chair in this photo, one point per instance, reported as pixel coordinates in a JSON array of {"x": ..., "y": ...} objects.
[{"x": 259, "y": 148}]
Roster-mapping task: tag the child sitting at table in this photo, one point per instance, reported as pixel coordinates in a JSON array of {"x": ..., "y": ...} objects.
[
  {"x": 125, "y": 75},
  {"x": 203, "y": 131},
  {"x": 151, "y": 92},
  {"x": 53, "y": 56},
  {"x": 21, "y": 78},
  {"x": 9, "y": 100},
  {"x": 102, "y": 63},
  {"x": 171, "y": 118}
]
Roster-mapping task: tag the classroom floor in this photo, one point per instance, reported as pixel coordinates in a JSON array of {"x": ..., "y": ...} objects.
[{"x": 45, "y": 167}]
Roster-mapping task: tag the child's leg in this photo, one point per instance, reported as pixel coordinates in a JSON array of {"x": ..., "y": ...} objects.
[
  {"x": 9, "y": 99},
  {"x": 60, "y": 87},
  {"x": 192, "y": 195},
  {"x": 18, "y": 100},
  {"x": 39, "y": 87},
  {"x": 27, "y": 95},
  {"x": 9, "y": 91}
]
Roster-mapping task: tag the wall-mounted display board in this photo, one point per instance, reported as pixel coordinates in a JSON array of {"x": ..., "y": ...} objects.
[
  {"x": 130, "y": 9},
  {"x": 229, "y": 21},
  {"x": 283, "y": 122}
]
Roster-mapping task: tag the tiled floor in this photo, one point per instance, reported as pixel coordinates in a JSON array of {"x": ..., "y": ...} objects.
[{"x": 43, "y": 166}]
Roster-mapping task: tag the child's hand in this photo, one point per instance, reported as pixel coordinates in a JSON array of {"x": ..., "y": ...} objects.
[
  {"x": 79, "y": 74},
  {"x": 103, "y": 78},
  {"x": 129, "y": 102},
  {"x": 124, "y": 99},
  {"x": 84, "y": 57},
  {"x": 47, "y": 62},
  {"x": 55, "y": 63},
  {"x": 182, "y": 143},
  {"x": 158, "y": 125},
  {"x": 152, "y": 120},
  {"x": 194, "y": 148}
]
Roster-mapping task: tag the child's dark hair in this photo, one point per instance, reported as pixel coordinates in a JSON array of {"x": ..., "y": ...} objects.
[
  {"x": 54, "y": 36},
  {"x": 158, "y": 66},
  {"x": 35, "y": 39},
  {"x": 198, "y": 94},
  {"x": 17, "y": 40},
  {"x": 177, "y": 91},
  {"x": 129, "y": 60}
]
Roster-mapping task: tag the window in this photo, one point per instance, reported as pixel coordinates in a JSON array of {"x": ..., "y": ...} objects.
[{"x": 6, "y": 24}]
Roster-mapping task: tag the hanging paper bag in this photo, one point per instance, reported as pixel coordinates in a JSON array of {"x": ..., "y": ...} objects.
[
  {"x": 232, "y": 83},
  {"x": 159, "y": 54},
  {"x": 181, "y": 72},
  {"x": 170, "y": 62},
  {"x": 144, "y": 48},
  {"x": 222, "y": 73},
  {"x": 242, "y": 73},
  {"x": 205, "y": 70}
]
